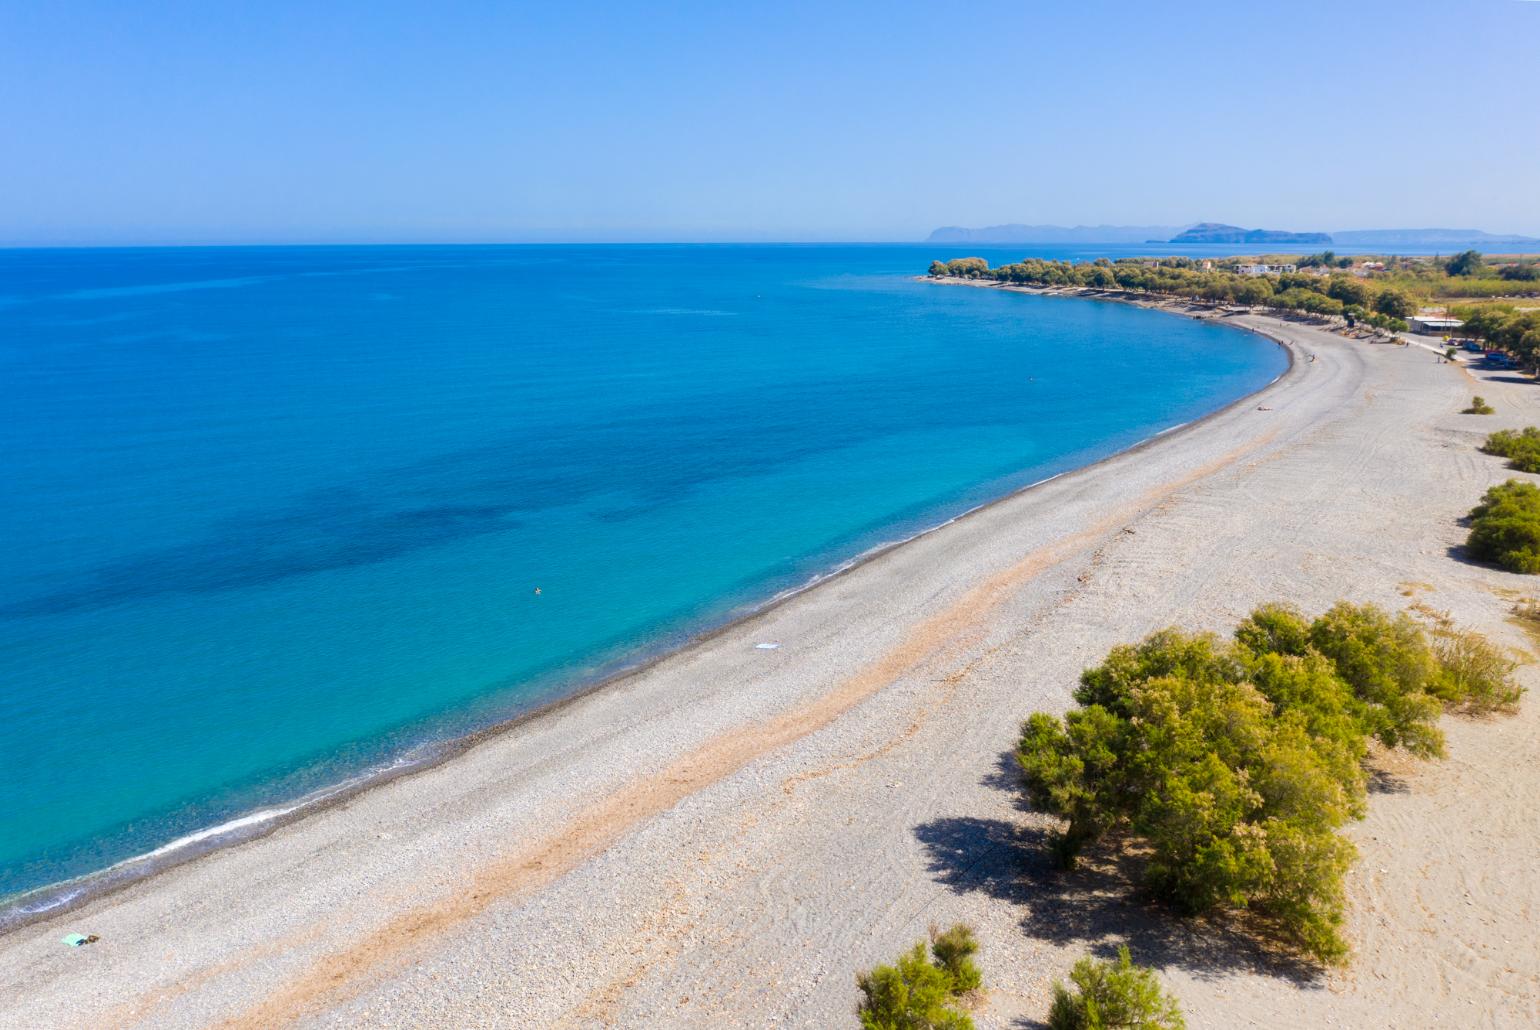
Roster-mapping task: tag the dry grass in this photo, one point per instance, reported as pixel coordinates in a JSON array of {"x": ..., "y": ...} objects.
[
  {"x": 1525, "y": 614},
  {"x": 1477, "y": 674}
]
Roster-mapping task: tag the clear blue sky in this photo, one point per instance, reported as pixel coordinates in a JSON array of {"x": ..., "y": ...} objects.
[{"x": 274, "y": 121}]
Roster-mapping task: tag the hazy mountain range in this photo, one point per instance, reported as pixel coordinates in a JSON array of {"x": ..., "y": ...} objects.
[
  {"x": 1215, "y": 232},
  {"x": 1055, "y": 234}
]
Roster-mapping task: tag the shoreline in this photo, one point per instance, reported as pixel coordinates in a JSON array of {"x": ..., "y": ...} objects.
[
  {"x": 727, "y": 837},
  {"x": 1195, "y": 310},
  {"x": 66, "y": 896}
]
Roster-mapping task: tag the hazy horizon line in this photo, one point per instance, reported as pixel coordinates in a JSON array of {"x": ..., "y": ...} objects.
[{"x": 747, "y": 238}]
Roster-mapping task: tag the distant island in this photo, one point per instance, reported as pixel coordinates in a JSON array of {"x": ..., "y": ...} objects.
[
  {"x": 1451, "y": 238},
  {"x": 1377, "y": 240},
  {"x": 1218, "y": 232}
]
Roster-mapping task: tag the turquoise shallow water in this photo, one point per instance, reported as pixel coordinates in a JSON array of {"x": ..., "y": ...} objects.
[{"x": 276, "y": 516}]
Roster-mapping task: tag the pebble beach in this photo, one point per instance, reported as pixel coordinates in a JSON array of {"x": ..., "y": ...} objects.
[{"x": 727, "y": 836}]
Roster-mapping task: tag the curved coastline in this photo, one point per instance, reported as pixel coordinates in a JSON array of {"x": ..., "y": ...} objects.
[
  {"x": 56, "y": 899},
  {"x": 722, "y": 783}
]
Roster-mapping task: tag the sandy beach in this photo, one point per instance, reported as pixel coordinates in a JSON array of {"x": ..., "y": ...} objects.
[{"x": 726, "y": 837}]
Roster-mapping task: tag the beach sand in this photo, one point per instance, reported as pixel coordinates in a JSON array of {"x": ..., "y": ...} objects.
[{"x": 725, "y": 838}]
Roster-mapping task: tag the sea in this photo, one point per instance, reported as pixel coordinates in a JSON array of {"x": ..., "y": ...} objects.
[{"x": 280, "y": 520}]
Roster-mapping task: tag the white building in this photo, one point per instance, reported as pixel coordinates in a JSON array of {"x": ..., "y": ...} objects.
[
  {"x": 1265, "y": 269},
  {"x": 1434, "y": 325}
]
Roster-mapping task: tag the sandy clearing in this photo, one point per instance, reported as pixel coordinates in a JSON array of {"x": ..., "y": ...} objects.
[{"x": 724, "y": 839}]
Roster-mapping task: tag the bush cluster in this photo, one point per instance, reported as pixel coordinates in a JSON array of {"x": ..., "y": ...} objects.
[
  {"x": 1505, "y": 527},
  {"x": 1478, "y": 406},
  {"x": 1521, "y": 447},
  {"x": 919, "y": 994},
  {"x": 1467, "y": 262},
  {"x": 1505, "y": 327},
  {"x": 1113, "y": 996},
  {"x": 1238, "y": 762}
]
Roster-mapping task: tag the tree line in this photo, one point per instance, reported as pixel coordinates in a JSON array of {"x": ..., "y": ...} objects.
[
  {"x": 1468, "y": 275},
  {"x": 1332, "y": 296},
  {"x": 1506, "y": 328}
]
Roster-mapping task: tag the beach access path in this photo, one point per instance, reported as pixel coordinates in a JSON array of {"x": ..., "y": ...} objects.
[{"x": 725, "y": 838}]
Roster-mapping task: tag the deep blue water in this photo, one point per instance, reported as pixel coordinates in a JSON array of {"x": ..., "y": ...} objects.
[{"x": 274, "y": 515}]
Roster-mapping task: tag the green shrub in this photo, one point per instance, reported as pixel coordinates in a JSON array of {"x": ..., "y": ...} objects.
[
  {"x": 1508, "y": 442},
  {"x": 1467, "y": 262},
  {"x": 1113, "y": 996},
  {"x": 1478, "y": 406},
  {"x": 954, "y": 950},
  {"x": 1238, "y": 763},
  {"x": 1306, "y": 693},
  {"x": 1387, "y": 663},
  {"x": 1522, "y": 448},
  {"x": 1505, "y": 527},
  {"x": 1504, "y": 441},
  {"x": 967, "y": 268},
  {"x": 1239, "y": 807},
  {"x": 1394, "y": 304},
  {"x": 915, "y": 994}
]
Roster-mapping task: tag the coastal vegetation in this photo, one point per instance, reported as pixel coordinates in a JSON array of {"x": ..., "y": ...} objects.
[
  {"x": 1329, "y": 296},
  {"x": 1486, "y": 294},
  {"x": 1506, "y": 328},
  {"x": 1113, "y": 995},
  {"x": 1468, "y": 275},
  {"x": 1325, "y": 259},
  {"x": 1478, "y": 406},
  {"x": 1505, "y": 527},
  {"x": 1520, "y": 447},
  {"x": 1466, "y": 263},
  {"x": 1236, "y": 764},
  {"x": 916, "y": 993}
]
